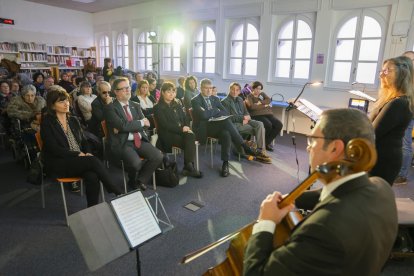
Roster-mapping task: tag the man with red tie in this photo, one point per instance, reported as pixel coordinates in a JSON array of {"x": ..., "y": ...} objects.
[{"x": 126, "y": 136}]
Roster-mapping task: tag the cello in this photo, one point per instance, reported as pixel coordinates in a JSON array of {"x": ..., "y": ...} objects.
[{"x": 360, "y": 155}]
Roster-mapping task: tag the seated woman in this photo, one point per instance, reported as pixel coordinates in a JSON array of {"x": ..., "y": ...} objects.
[
  {"x": 146, "y": 101},
  {"x": 258, "y": 104},
  {"x": 27, "y": 108},
  {"x": 153, "y": 91},
  {"x": 174, "y": 128},
  {"x": 85, "y": 100},
  {"x": 66, "y": 152}
]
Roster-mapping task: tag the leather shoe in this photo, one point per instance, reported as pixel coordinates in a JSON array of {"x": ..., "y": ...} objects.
[
  {"x": 269, "y": 147},
  {"x": 225, "y": 169},
  {"x": 141, "y": 186}
]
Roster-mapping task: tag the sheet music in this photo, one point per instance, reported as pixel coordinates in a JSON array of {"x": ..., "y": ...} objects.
[
  {"x": 309, "y": 109},
  {"x": 136, "y": 218},
  {"x": 363, "y": 95}
]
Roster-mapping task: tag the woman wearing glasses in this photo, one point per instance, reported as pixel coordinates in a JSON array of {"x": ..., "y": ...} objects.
[
  {"x": 174, "y": 128},
  {"x": 66, "y": 151},
  {"x": 391, "y": 115}
]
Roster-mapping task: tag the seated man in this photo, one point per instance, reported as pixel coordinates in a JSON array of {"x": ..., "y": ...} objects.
[
  {"x": 104, "y": 97},
  {"x": 206, "y": 107},
  {"x": 126, "y": 136},
  {"x": 352, "y": 228},
  {"x": 244, "y": 124}
]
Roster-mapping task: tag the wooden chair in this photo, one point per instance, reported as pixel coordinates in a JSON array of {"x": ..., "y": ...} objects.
[{"x": 58, "y": 179}]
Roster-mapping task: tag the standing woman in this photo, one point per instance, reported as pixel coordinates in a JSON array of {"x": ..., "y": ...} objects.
[
  {"x": 66, "y": 152},
  {"x": 174, "y": 128},
  {"x": 258, "y": 104},
  {"x": 108, "y": 69},
  {"x": 391, "y": 115}
]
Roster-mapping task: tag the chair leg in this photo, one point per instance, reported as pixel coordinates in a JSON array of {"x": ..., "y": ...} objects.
[
  {"x": 102, "y": 192},
  {"x": 197, "y": 164},
  {"x": 81, "y": 187},
  {"x": 64, "y": 202},
  {"x": 42, "y": 192},
  {"x": 154, "y": 184},
  {"x": 124, "y": 176},
  {"x": 211, "y": 152}
]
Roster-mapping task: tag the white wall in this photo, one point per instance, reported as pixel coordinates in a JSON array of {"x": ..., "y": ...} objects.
[{"x": 45, "y": 24}]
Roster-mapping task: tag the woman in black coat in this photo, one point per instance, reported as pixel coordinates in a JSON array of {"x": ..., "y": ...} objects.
[
  {"x": 174, "y": 128},
  {"x": 391, "y": 115},
  {"x": 66, "y": 152}
]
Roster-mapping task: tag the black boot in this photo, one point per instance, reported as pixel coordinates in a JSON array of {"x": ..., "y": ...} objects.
[
  {"x": 225, "y": 169},
  {"x": 189, "y": 170}
]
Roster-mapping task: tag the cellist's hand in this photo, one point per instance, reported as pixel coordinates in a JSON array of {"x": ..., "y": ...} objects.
[{"x": 270, "y": 211}]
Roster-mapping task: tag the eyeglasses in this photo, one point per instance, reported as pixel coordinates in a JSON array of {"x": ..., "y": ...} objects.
[
  {"x": 105, "y": 92},
  {"x": 126, "y": 88},
  {"x": 386, "y": 71},
  {"x": 311, "y": 139}
]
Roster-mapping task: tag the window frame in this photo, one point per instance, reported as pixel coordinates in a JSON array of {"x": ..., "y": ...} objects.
[
  {"x": 204, "y": 42},
  {"x": 291, "y": 80},
  {"x": 244, "y": 21},
  {"x": 148, "y": 43},
  {"x": 124, "y": 59},
  {"x": 171, "y": 57},
  {"x": 103, "y": 48},
  {"x": 360, "y": 14}
]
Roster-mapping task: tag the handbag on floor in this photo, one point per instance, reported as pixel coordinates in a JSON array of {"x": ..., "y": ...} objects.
[{"x": 167, "y": 175}]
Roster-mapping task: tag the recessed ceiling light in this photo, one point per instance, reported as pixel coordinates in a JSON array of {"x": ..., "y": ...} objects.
[{"x": 84, "y": 1}]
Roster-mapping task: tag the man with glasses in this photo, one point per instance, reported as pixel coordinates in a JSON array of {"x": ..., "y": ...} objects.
[
  {"x": 127, "y": 138},
  {"x": 353, "y": 224},
  {"x": 104, "y": 97}
]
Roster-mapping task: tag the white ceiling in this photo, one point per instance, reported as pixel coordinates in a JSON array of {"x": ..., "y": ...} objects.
[{"x": 96, "y": 6}]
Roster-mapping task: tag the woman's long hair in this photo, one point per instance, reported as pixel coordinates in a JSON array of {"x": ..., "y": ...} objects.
[
  {"x": 167, "y": 86},
  {"x": 403, "y": 83},
  {"x": 55, "y": 93}
]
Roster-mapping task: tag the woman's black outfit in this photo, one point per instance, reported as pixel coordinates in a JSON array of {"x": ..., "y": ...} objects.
[
  {"x": 61, "y": 160},
  {"x": 390, "y": 122},
  {"x": 171, "y": 119}
]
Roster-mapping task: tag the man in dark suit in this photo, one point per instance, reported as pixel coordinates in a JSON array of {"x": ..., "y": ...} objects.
[
  {"x": 104, "y": 90},
  {"x": 127, "y": 138},
  {"x": 352, "y": 228},
  {"x": 206, "y": 107},
  {"x": 243, "y": 122}
]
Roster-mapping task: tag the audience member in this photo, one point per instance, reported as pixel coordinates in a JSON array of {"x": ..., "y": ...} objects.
[
  {"x": 206, "y": 107},
  {"x": 38, "y": 79},
  {"x": 243, "y": 122},
  {"x": 180, "y": 88},
  {"x": 65, "y": 82},
  {"x": 104, "y": 98},
  {"x": 15, "y": 88},
  {"x": 127, "y": 138},
  {"x": 49, "y": 81},
  {"x": 89, "y": 67},
  {"x": 66, "y": 151},
  {"x": 174, "y": 128},
  {"x": 190, "y": 92},
  {"x": 259, "y": 106},
  {"x": 153, "y": 91},
  {"x": 146, "y": 101},
  {"x": 391, "y": 115},
  {"x": 138, "y": 77},
  {"x": 85, "y": 100},
  {"x": 108, "y": 69},
  {"x": 355, "y": 216},
  {"x": 5, "y": 97}
]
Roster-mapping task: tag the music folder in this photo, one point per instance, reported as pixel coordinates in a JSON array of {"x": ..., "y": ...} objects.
[{"x": 107, "y": 231}]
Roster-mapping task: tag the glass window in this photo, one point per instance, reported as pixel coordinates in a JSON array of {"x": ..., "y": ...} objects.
[
  {"x": 171, "y": 52},
  {"x": 244, "y": 47},
  {"x": 144, "y": 52},
  {"x": 293, "y": 51},
  {"x": 103, "y": 49},
  {"x": 204, "y": 50},
  {"x": 122, "y": 51}
]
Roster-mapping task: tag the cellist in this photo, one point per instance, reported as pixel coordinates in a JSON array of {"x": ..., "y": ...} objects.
[{"x": 353, "y": 225}]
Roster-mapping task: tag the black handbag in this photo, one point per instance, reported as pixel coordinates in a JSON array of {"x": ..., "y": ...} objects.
[{"x": 167, "y": 176}]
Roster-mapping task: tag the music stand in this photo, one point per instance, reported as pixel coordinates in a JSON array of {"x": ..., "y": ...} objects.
[{"x": 108, "y": 231}]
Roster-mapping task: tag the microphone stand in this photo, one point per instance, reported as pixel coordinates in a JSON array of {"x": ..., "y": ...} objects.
[{"x": 292, "y": 104}]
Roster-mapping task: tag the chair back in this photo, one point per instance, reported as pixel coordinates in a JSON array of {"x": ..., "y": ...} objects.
[{"x": 39, "y": 140}]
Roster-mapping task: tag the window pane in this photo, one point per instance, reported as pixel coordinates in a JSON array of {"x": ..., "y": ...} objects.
[
  {"x": 125, "y": 37},
  {"x": 167, "y": 50},
  {"x": 142, "y": 37},
  {"x": 304, "y": 31},
  {"x": 371, "y": 28},
  {"x": 238, "y": 33},
  {"x": 236, "y": 49},
  {"x": 107, "y": 52},
  {"x": 106, "y": 40},
  {"x": 126, "y": 51},
  {"x": 210, "y": 64},
  {"x": 284, "y": 49},
  {"x": 369, "y": 49},
  {"x": 348, "y": 29},
  {"x": 176, "y": 49},
  {"x": 282, "y": 68},
  {"x": 167, "y": 64},
  {"x": 341, "y": 71},
  {"x": 235, "y": 66},
  {"x": 301, "y": 69},
  {"x": 176, "y": 64},
  {"x": 251, "y": 48},
  {"x": 252, "y": 33},
  {"x": 198, "y": 49},
  {"x": 251, "y": 67},
  {"x": 149, "y": 50},
  {"x": 141, "y": 51},
  {"x": 303, "y": 48},
  {"x": 199, "y": 36},
  {"x": 119, "y": 51},
  {"x": 210, "y": 36},
  {"x": 287, "y": 30},
  {"x": 366, "y": 72},
  {"x": 198, "y": 65},
  {"x": 141, "y": 63},
  {"x": 149, "y": 63},
  {"x": 119, "y": 61},
  {"x": 210, "y": 49},
  {"x": 344, "y": 49}
]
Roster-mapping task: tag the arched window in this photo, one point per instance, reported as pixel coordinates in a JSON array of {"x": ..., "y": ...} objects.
[
  {"x": 204, "y": 50},
  {"x": 144, "y": 52},
  {"x": 171, "y": 52},
  {"x": 358, "y": 43},
  {"x": 244, "y": 47},
  {"x": 103, "y": 49},
  {"x": 122, "y": 50},
  {"x": 293, "y": 51}
]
